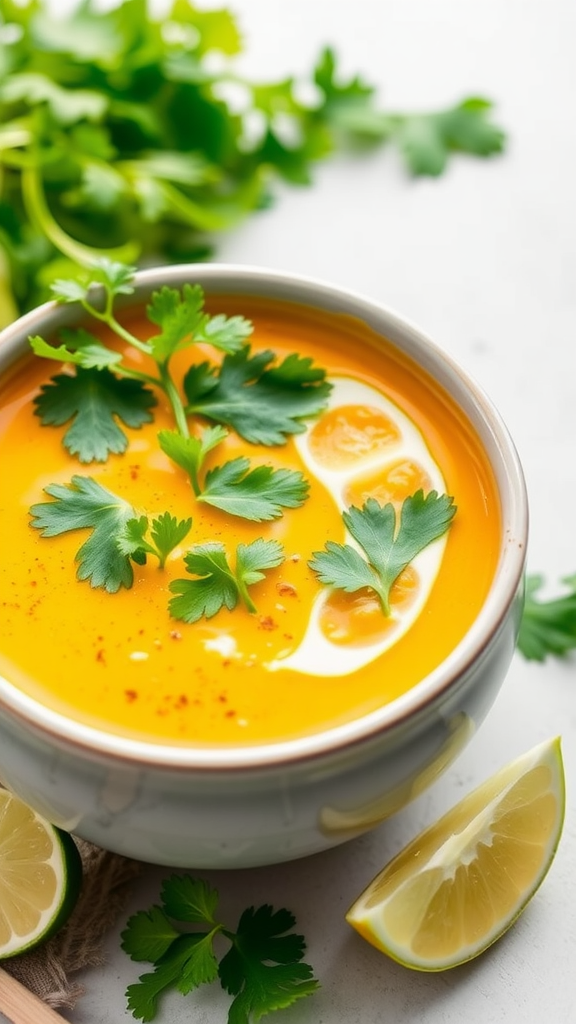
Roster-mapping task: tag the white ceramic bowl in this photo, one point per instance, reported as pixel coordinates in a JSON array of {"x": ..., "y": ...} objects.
[{"x": 238, "y": 807}]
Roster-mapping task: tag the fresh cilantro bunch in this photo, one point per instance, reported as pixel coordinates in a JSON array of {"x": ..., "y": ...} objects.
[
  {"x": 115, "y": 138},
  {"x": 262, "y": 968}
]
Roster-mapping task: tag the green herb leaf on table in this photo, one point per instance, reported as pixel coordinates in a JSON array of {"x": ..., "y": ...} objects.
[
  {"x": 548, "y": 627},
  {"x": 387, "y": 547},
  {"x": 85, "y": 504},
  {"x": 218, "y": 585},
  {"x": 188, "y": 963},
  {"x": 262, "y": 969},
  {"x": 262, "y": 401},
  {"x": 426, "y": 140},
  {"x": 94, "y": 400}
]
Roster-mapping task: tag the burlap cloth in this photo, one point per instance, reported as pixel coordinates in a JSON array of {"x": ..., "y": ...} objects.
[{"x": 49, "y": 970}]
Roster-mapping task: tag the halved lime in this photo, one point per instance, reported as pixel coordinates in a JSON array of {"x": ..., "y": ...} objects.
[
  {"x": 461, "y": 883},
  {"x": 40, "y": 877}
]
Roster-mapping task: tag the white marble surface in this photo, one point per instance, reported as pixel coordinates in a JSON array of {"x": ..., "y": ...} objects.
[{"x": 484, "y": 260}]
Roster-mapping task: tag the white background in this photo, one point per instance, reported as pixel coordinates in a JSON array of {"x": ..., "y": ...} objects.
[{"x": 484, "y": 261}]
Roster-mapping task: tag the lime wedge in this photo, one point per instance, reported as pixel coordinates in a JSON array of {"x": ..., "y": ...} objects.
[
  {"x": 461, "y": 883},
  {"x": 40, "y": 877}
]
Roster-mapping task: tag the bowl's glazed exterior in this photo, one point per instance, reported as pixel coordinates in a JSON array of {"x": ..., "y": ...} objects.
[{"x": 239, "y": 807}]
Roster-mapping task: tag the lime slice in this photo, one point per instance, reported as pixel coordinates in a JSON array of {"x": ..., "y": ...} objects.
[
  {"x": 40, "y": 877},
  {"x": 461, "y": 883}
]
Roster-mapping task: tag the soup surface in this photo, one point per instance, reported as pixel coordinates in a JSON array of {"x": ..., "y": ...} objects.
[{"x": 308, "y": 658}]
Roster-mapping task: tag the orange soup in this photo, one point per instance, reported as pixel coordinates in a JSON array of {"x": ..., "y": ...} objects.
[{"x": 309, "y": 657}]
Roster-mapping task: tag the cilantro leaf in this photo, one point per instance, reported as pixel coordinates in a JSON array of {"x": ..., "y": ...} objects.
[
  {"x": 85, "y": 504},
  {"x": 189, "y": 452},
  {"x": 218, "y": 585},
  {"x": 262, "y": 969},
  {"x": 262, "y": 402},
  {"x": 189, "y": 899},
  {"x": 80, "y": 347},
  {"x": 387, "y": 550},
  {"x": 166, "y": 532},
  {"x": 93, "y": 399},
  {"x": 148, "y": 935},
  {"x": 115, "y": 277},
  {"x": 188, "y": 963},
  {"x": 548, "y": 627},
  {"x": 184, "y": 322},
  {"x": 426, "y": 140},
  {"x": 258, "y": 494}
]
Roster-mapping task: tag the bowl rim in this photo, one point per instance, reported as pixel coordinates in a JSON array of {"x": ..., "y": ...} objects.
[{"x": 228, "y": 278}]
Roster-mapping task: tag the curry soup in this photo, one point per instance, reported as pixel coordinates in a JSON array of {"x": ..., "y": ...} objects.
[{"x": 121, "y": 663}]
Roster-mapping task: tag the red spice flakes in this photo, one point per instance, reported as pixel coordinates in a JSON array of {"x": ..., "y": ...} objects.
[
  {"x": 181, "y": 701},
  {"x": 267, "y": 622},
  {"x": 134, "y": 471},
  {"x": 131, "y": 695},
  {"x": 174, "y": 634},
  {"x": 101, "y": 655},
  {"x": 286, "y": 590},
  {"x": 230, "y": 714}
]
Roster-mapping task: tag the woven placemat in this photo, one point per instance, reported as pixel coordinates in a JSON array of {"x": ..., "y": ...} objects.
[{"x": 50, "y": 970}]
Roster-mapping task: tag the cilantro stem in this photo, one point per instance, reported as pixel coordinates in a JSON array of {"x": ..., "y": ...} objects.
[
  {"x": 40, "y": 215},
  {"x": 173, "y": 395},
  {"x": 107, "y": 317},
  {"x": 243, "y": 591}
]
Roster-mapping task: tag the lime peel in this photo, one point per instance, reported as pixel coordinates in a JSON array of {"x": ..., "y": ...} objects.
[
  {"x": 459, "y": 885},
  {"x": 40, "y": 877}
]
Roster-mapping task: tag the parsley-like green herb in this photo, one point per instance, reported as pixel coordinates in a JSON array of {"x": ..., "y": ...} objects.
[
  {"x": 548, "y": 627},
  {"x": 93, "y": 399},
  {"x": 262, "y": 969},
  {"x": 218, "y": 585},
  {"x": 115, "y": 138},
  {"x": 105, "y": 389},
  {"x": 261, "y": 400},
  {"x": 82, "y": 504},
  {"x": 165, "y": 532},
  {"x": 387, "y": 547},
  {"x": 118, "y": 534},
  {"x": 258, "y": 494}
]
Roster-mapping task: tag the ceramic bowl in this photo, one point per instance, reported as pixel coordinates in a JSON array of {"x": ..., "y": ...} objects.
[{"x": 248, "y": 806}]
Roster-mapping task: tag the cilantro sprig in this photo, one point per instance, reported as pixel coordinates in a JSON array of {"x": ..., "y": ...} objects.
[
  {"x": 262, "y": 968},
  {"x": 263, "y": 402},
  {"x": 218, "y": 584},
  {"x": 386, "y": 547},
  {"x": 258, "y": 493},
  {"x": 117, "y": 533},
  {"x": 548, "y": 627},
  {"x": 106, "y": 390},
  {"x": 101, "y": 370}
]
